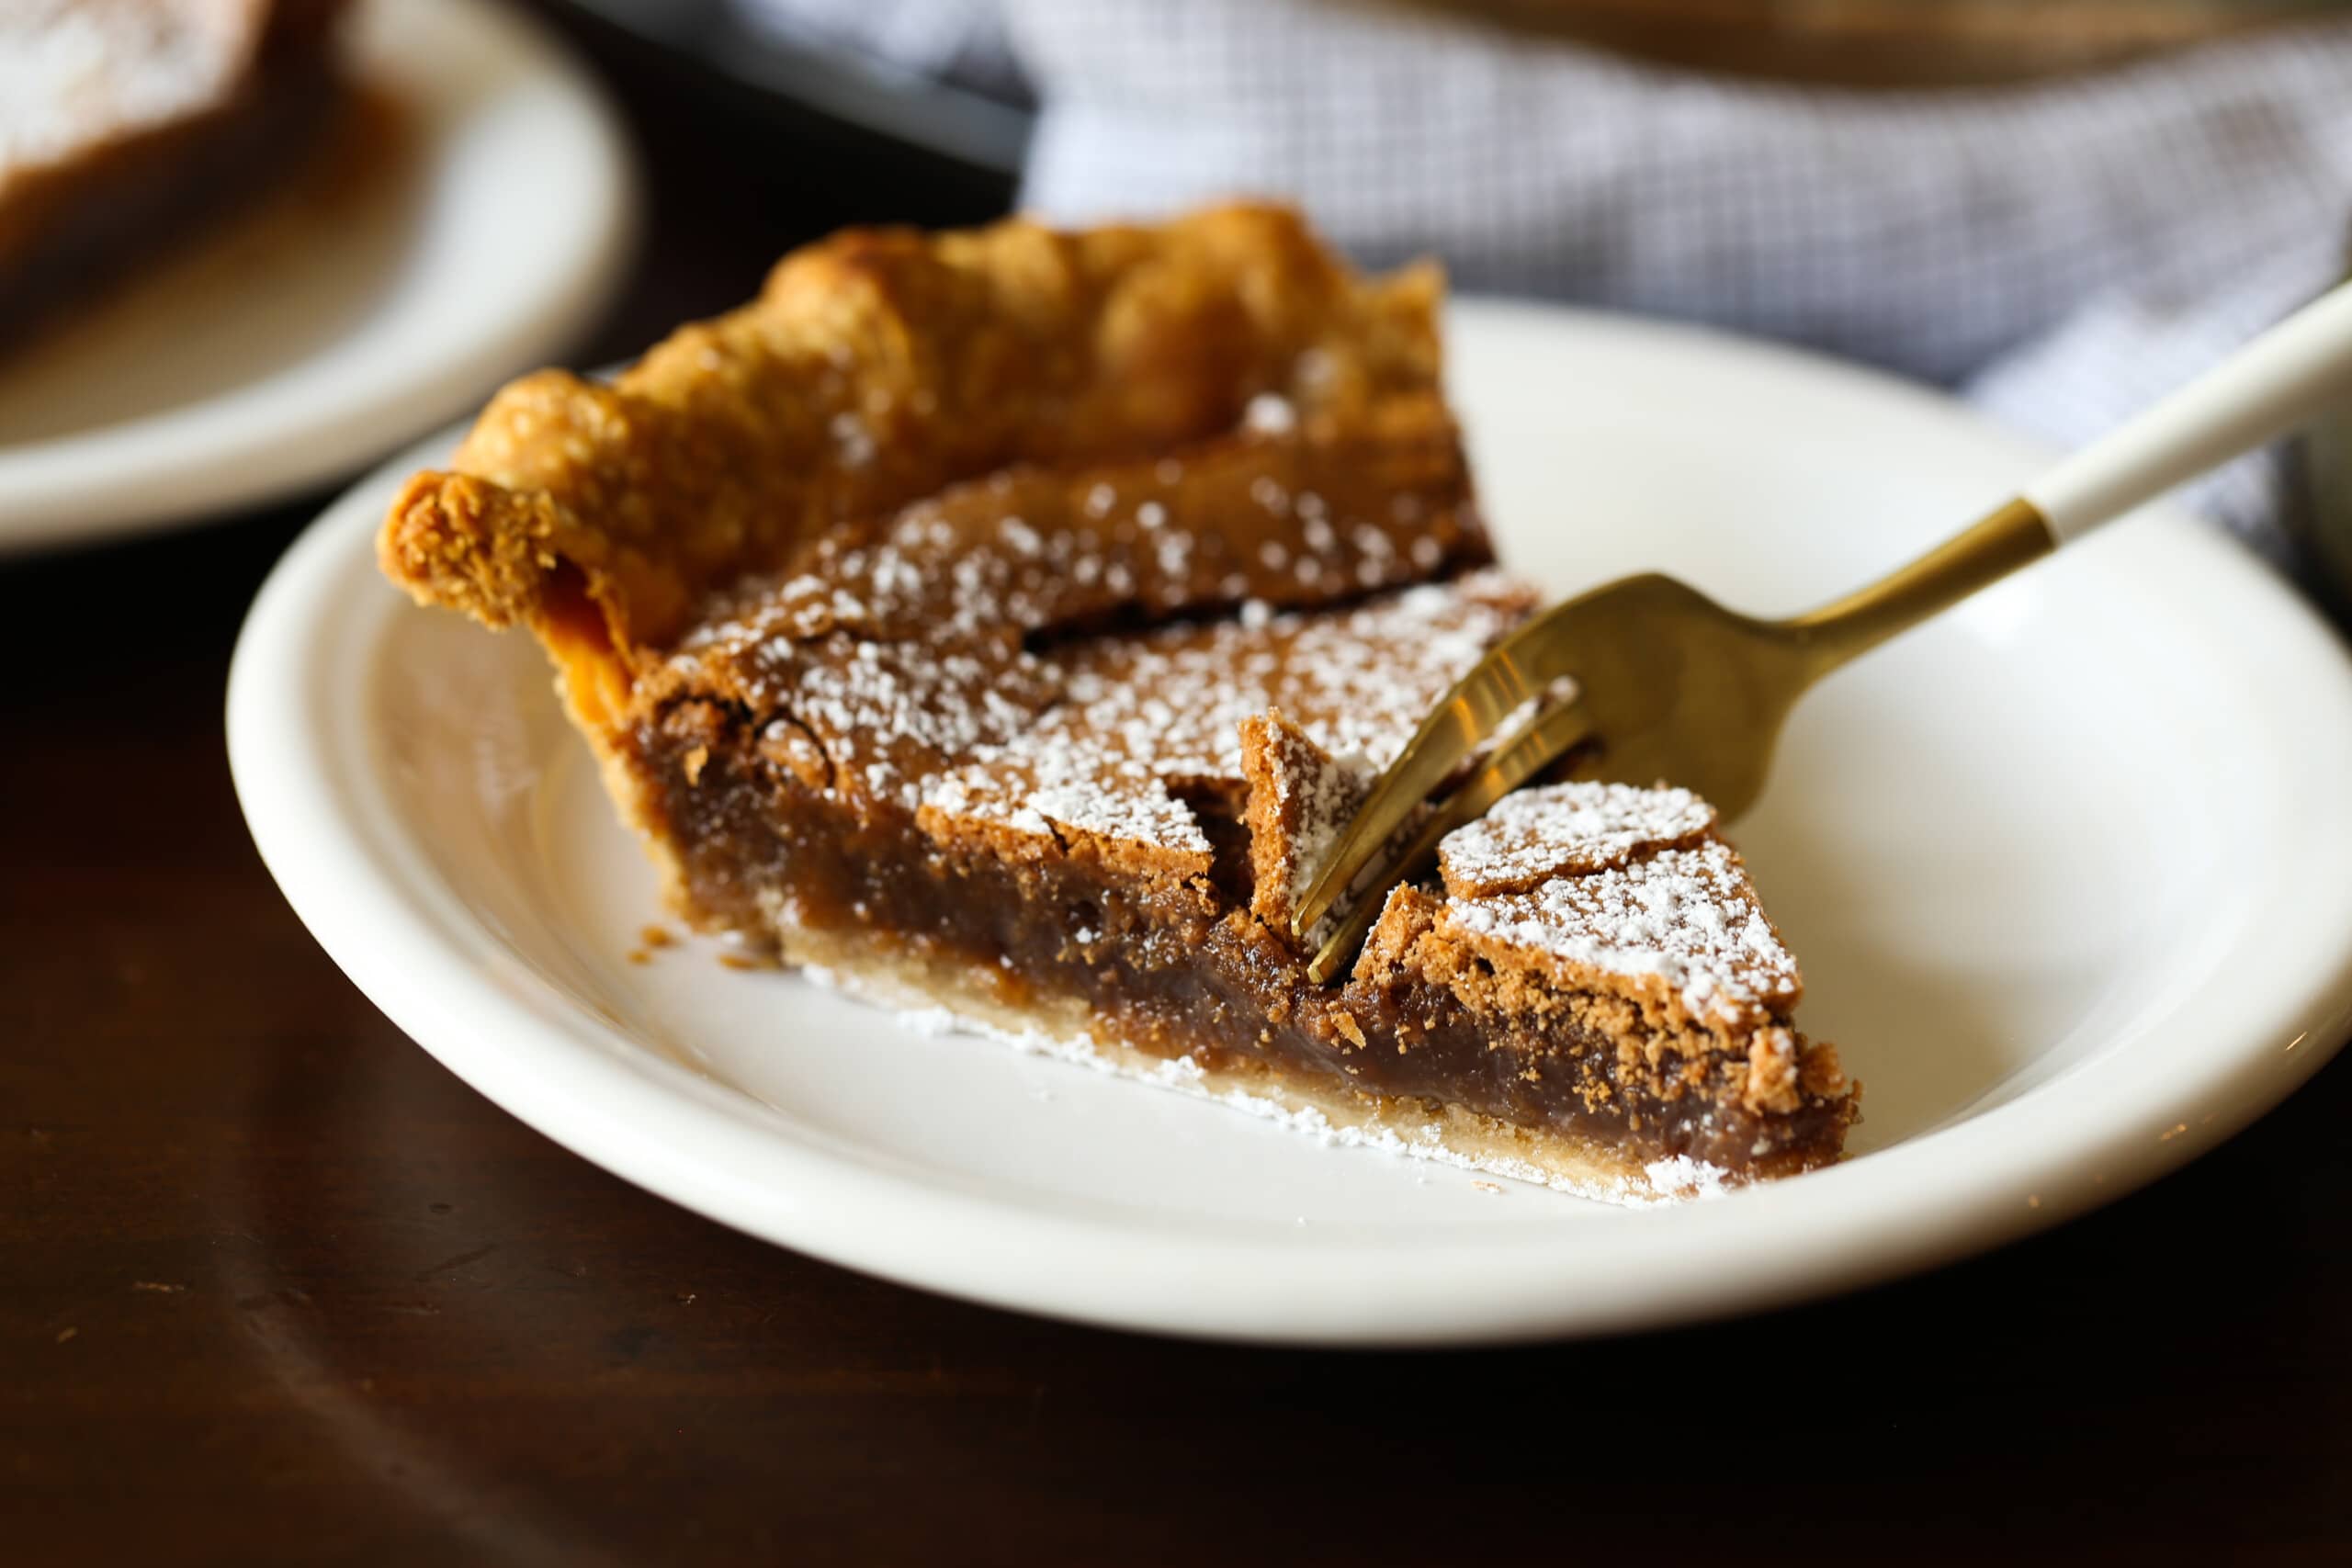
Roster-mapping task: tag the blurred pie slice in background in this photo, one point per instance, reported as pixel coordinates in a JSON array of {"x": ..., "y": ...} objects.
[{"x": 127, "y": 124}]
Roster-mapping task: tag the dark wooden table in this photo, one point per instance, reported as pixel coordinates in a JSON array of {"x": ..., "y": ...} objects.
[{"x": 275, "y": 1287}]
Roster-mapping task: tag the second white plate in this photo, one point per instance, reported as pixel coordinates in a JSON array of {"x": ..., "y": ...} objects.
[{"x": 2068, "y": 872}]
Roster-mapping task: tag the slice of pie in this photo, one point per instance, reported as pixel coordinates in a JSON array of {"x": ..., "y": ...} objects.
[
  {"x": 1004, "y": 620},
  {"x": 124, "y": 121}
]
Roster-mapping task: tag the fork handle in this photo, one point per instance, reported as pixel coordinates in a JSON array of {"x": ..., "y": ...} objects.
[
  {"x": 2264, "y": 391},
  {"x": 2281, "y": 378}
]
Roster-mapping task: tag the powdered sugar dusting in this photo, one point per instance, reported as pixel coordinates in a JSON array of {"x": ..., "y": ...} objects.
[
  {"x": 1357, "y": 682},
  {"x": 1563, "y": 831},
  {"x": 1300, "y": 801},
  {"x": 1270, "y": 413},
  {"x": 1128, "y": 807},
  {"x": 1688, "y": 916},
  {"x": 1326, "y": 799},
  {"x": 1682, "y": 1177},
  {"x": 1140, "y": 718},
  {"x": 939, "y": 659}
]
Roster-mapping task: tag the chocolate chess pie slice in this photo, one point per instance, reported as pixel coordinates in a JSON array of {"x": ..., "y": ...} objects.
[{"x": 1002, "y": 620}]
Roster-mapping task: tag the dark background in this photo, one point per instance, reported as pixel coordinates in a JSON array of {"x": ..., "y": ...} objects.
[{"x": 275, "y": 1287}]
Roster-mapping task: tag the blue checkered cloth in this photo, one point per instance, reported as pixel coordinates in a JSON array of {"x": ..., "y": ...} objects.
[{"x": 2060, "y": 253}]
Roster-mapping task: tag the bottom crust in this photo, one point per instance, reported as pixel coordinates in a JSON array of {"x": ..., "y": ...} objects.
[{"x": 950, "y": 997}]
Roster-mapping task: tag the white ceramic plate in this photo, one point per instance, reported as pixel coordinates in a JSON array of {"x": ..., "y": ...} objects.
[
  {"x": 268, "y": 359},
  {"x": 2069, "y": 871}
]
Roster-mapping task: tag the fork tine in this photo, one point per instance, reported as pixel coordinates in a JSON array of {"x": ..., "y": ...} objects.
[
  {"x": 1517, "y": 667},
  {"x": 1449, "y": 735},
  {"x": 1534, "y": 747}
]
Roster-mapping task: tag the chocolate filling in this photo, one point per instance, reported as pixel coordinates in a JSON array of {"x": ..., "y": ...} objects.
[{"x": 1180, "y": 967}]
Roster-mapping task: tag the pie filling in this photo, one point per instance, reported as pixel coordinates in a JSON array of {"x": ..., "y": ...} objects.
[
  {"x": 1183, "y": 969},
  {"x": 1012, "y": 618}
]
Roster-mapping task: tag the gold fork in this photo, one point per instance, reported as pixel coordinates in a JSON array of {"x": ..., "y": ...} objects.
[{"x": 1663, "y": 684}]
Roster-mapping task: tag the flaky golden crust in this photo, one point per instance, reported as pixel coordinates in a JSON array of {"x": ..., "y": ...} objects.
[{"x": 881, "y": 366}]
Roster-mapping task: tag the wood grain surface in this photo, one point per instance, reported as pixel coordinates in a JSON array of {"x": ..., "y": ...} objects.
[{"x": 276, "y": 1288}]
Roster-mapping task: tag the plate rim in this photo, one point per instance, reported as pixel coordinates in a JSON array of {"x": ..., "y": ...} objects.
[
  {"x": 2001, "y": 1174},
  {"x": 272, "y": 439}
]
